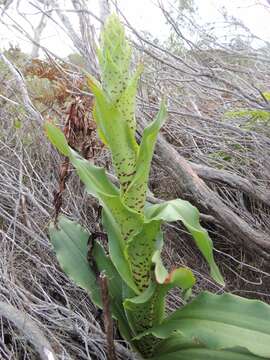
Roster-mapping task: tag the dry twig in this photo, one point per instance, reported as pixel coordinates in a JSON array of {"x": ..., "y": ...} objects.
[{"x": 108, "y": 321}]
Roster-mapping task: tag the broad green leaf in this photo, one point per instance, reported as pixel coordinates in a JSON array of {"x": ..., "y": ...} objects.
[
  {"x": 139, "y": 250},
  {"x": 205, "y": 354},
  {"x": 126, "y": 103},
  {"x": 182, "y": 278},
  {"x": 135, "y": 194},
  {"x": 121, "y": 223},
  {"x": 116, "y": 249},
  {"x": 143, "y": 249},
  {"x": 96, "y": 89},
  {"x": 143, "y": 311},
  {"x": 98, "y": 185},
  {"x": 221, "y": 322},
  {"x": 148, "y": 308},
  {"x": 94, "y": 177},
  {"x": 149, "y": 314},
  {"x": 177, "y": 347},
  {"x": 119, "y": 137},
  {"x": 57, "y": 138},
  {"x": 69, "y": 241},
  {"x": 100, "y": 133},
  {"x": 177, "y": 209}
]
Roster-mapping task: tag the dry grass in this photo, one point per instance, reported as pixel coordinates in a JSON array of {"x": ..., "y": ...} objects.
[{"x": 30, "y": 277}]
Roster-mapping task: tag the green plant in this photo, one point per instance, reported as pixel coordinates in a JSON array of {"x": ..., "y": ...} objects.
[
  {"x": 211, "y": 326},
  {"x": 253, "y": 117}
]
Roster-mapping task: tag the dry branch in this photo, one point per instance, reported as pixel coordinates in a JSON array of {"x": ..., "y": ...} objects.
[
  {"x": 29, "y": 329},
  {"x": 23, "y": 90},
  {"x": 108, "y": 321},
  {"x": 192, "y": 187},
  {"x": 210, "y": 82},
  {"x": 233, "y": 180}
]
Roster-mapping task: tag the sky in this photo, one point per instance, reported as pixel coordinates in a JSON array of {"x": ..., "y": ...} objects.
[
  {"x": 254, "y": 14},
  {"x": 144, "y": 15}
]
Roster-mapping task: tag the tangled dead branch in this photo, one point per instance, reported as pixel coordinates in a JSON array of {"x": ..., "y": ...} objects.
[
  {"x": 29, "y": 329},
  {"x": 219, "y": 163}
]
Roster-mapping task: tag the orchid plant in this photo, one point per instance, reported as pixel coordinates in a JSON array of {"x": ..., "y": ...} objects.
[{"x": 209, "y": 326}]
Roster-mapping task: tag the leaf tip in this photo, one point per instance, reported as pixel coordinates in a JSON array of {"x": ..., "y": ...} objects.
[{"x": 56, "y": 137}]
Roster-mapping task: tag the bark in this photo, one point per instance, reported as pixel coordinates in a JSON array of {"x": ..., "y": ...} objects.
[
  {"x": 233, "y": 180},
  {"x": 192, "y": 187}
]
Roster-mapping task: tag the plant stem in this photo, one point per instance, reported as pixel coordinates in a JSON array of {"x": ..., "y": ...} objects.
[{"x": 107, "y": 318}]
